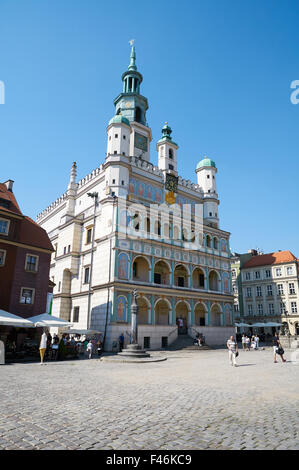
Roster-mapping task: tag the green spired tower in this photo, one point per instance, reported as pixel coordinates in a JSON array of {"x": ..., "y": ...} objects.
[{"x": 130, "y": 103}]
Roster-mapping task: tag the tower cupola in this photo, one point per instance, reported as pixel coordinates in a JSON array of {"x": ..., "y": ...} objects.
[{"x": 167, "y": 151}]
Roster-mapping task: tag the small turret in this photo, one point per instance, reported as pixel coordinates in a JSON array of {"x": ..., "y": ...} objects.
[
  {"x": 167, "y": 151},
  {"x": 206, "y": 178}
]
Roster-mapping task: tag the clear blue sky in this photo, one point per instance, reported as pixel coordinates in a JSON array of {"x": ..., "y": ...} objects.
[{"x": 218, "y": 71}]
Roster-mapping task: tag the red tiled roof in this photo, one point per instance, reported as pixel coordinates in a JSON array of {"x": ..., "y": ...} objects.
[
  {"x": 9, "y": 196},
  {"x": 270, "y": 258},
  {"x": 30, "y": 233}
]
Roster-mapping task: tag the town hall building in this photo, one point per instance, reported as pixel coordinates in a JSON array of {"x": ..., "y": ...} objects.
[{"x": 132, "y": 225}]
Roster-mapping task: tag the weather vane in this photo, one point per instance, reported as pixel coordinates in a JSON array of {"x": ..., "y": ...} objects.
[{"x": 131, "y": 42}]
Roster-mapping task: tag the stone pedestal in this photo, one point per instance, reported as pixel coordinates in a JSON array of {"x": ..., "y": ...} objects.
[{"x": 134, "y": 351}]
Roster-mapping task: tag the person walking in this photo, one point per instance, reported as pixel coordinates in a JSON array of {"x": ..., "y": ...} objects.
[
  {"x": 89, "y": 349},
  {"x": 247, "y": 343},
  {"x": 243, "y": 341},
  {"x": 233, "y": 351},
  {"x": 277, "y": 348},
  {"x": 257, "y": 340},
  {"x": 43, "y": 347},
  {"x": 121, "y": 341}
]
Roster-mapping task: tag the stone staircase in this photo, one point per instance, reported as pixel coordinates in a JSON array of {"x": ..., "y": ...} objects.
[{"x": 185, "y": 343}]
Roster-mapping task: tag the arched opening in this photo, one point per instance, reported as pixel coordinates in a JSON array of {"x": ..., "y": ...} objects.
[
  {"x": 161, "y": 273},
  {"x": 140, "y": 269},
  {"x": 143, "y": 311},
  {"x": 148, "y": 225},
  {"x": 209, "y": 241},
  {"x": 216, "y": 315},
  {"x": 296, "y": 329},
  {"x": 157, "y": 228},
  {"x": 176, "y": 233},
  {"x": 136, "y": 221},
  {"x": 181, "y": 276},
  {"x": 198, "y": 279},
  {"x": 181, "y": 314},
  {"x": 200, "y": 315},
  {"x": 118, "y": 111},
  {"x": 162, "y": 312},
  {"x": 166, "y": 231},
  {"x": 138, "y": 114},
  {"x": 216, "y": 243},
  {"x": 213, "y": 281}
]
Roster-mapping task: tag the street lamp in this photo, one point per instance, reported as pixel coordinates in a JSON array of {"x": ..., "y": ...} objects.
[{"x": 94, "y": 196}]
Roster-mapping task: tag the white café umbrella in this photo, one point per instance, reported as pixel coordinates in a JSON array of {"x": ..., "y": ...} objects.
[
  {"x": 242, "y": 324},
  {"x": 259, "y": 325},
  {"x": 82, "y": 332},
  {"x": 272, "y": 324},
  {"x": 9, "y": 319},
  {"x": 46, "y": 320}
]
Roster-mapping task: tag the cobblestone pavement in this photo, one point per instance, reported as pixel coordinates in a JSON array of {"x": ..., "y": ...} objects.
[{"x": 194, "y": 400}]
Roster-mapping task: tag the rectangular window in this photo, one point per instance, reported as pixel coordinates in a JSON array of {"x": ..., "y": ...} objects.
[
  {"x": 257, "y": 275},
  {"x": 86, "y": 275},
  {"x": 268, "y": 273},
  {"x": 278, "y": 272},
  {"x": 2, "y": 257},
  {"x": 294, "y": 307},
  {"x": 233, "y": 273},
  {"x": 247, "y": 276},
  {"x": 4, "y": 226},
  {"x": 271, "y": 309},
  {"x": 31, "y": 263},
  {"x": 282, "y": 307},
  {"x": 259, "y": 291},
  {"x": 260, "y": 309},
  {"x": 164, "y": 341},
  {"x": 292, "y": 288},
  {"x": 64, "y": 250},
  {"x": 171, "y": 167},
  {"x": 289, "y": 270},
  {"x": 249, "y": 309},
  {"x": 280, "y": 289},
  {"x": 76, "y": 314},
  {"x": 269, "y": 290},
  {"x": 157, "y": 278},
  {"x": 69, "y": 249},
  {"x": 147, "y": 342},
  {"x": 248, "y": 291},
  {"x": 27, "y": 296},
  {"x": 88, "y": 235}
]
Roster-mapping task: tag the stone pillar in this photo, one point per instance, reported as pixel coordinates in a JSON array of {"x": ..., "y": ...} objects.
[{"x": 134, "y": 319}]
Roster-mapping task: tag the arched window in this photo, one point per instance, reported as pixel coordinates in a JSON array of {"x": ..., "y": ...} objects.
[{"x": 170, "y": 153}]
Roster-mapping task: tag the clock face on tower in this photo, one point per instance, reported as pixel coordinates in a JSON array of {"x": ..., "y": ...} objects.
[
  {"x": 140, "y": 141},
  {"x": 171, "y": 183}
]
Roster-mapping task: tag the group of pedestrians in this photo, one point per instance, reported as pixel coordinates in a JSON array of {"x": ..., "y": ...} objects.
[
  {"x": 250, "y": 343},
  {"x": 233, "y": 350},
  {"x": 54, "y": 348}
]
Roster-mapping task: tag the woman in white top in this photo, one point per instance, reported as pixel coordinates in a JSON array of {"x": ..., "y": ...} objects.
[{"x": 43, "y": 346}]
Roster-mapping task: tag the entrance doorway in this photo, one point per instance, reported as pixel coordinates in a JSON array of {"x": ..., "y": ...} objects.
[{"x": 181, "y": 314}]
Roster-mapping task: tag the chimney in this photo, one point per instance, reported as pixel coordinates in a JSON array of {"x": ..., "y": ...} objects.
[{"x": 9, "y": 185}]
